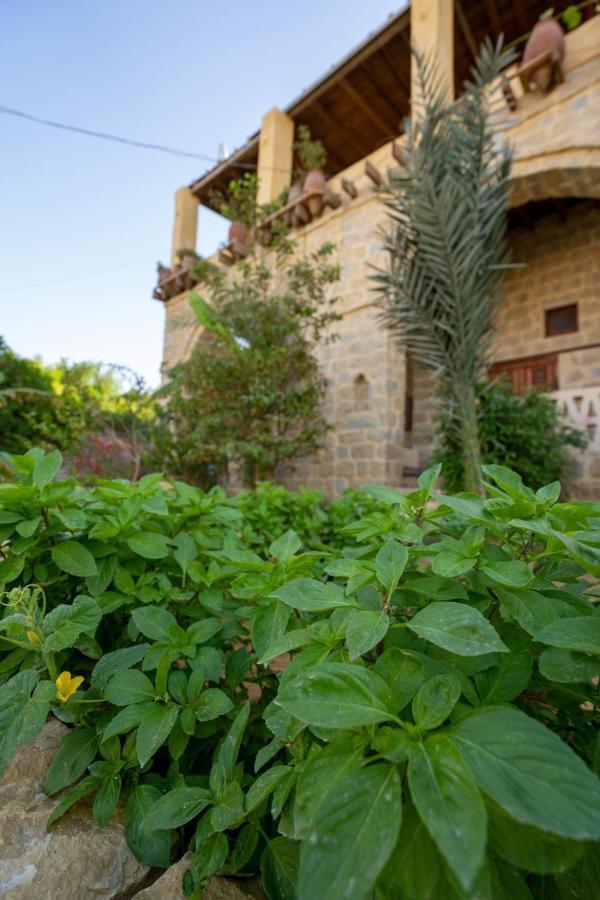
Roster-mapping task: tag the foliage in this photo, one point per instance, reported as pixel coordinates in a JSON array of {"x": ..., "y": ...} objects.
[
  {"x": 446, "y": 246},
  {"x": 239, "y": 204},
  {"x": 101, "y": 416},
  {"x": 251, "y": 392},
  {"x": 311, "y": 154},
  {"x": 524, "y": 432},
  {"x": 433, "y": 735}
]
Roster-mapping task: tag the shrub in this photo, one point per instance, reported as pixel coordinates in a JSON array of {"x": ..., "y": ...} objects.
[
  {"x": 523, "y": 432},
  {"x": 250, "y": 396},
  {"x": 431, "y": 735}
]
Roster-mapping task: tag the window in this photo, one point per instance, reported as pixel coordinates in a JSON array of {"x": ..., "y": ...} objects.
[
  {"x": 561, "y": 320},
  {"x": 361, "y": 392},
  {"x": 534, "y": 372}
]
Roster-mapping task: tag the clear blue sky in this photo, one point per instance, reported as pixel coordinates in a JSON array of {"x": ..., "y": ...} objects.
[{"x": 189, "y": 74}]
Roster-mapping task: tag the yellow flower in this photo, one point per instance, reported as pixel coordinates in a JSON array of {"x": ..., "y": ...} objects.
[
  {"x": 66, "y": 686},
  {"x": 33, "y": 638}
]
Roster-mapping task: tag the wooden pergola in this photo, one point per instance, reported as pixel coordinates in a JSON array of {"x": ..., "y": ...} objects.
[{"x": 361, "y": 103}]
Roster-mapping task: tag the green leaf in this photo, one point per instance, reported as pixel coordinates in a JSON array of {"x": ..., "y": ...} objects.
[
  {"x": 131, "y": 686},
  {"x": 512, "y": 573},
  {"x": 209, "y": 857},
  {"x": 152, "y": 847},
  {"x": 392, "y": 743},
  {"x": 353, "y": 836},
  {"x": 21, "y": 714},
  {"x": 73, "y": 558},
  {"x": 335, "y": 695},
  {"x": 414, "y": 870},
  {"x": 185, "y": 550},
  {"x": 212, "y": 704},
  {"x": 264, "y": 785},
  {"x": 64, "y": 624},
  {"x": 390, "y": 563},
  {"x": 458, "y": 628},
  {"x": 117, "y": 661},
  {"x": 177, "y": 808},
  {"x": 279, "y": 868},
  {"x": 154, "y": 622},
  {"x": 581, "y": 634},
  {"x": 450, "y": 805},
  {"x": 529, "y": 772},
  {"x": 567, "y": 667},
  {"x": 203, "y": 631},
  {"x": 268, "y": 625},
  {"x": 285, "y": 546},
  {"x": 46, "y": 468},
  {"x": 106, "y": 799},
  {"x": 76, "y": 751},
  {"x": 228, "y": 750},
  {"x": 320, "y": 776},
  {"x": 313, "y": 596},
  {"x": 529, "y": 848},
  {"x": 504, "y": 682},
  {"x": 449, "y": 564},
  {"x": 126, "y": 719},
  {"x": 532, "y": 610},
  {"x": 153, "y": 730},
  {"x": 402, "y": 672},
  {"x": 230, "y": 808},
  {"x": 149, "y": 545},
  {"x": 435, "y": 700},
  {"x": 366, "y": 628},
  {"x": 70, "y": 798},
  {"x": 291, "y": 640}
]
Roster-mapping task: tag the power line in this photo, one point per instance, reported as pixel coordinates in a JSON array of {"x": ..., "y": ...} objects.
[
  {"x": 82, "y": 275},
  {"x": 9, "y": 111}
]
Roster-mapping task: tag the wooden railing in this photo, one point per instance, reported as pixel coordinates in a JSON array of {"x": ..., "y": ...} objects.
[{"x": 581, "y": 408}]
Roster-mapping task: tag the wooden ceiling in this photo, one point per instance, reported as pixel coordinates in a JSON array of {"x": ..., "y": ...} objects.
[{"x": 361, "y": 103}]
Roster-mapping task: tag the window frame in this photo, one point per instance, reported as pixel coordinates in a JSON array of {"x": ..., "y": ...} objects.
[{"x": 548, "y": 314}]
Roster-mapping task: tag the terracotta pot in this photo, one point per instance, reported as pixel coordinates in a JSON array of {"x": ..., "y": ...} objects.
[
  {"x": 294, "y": 192},
  {"x": 238, "y": 233},
  {"x": 315, "y": 181},
  {"x": 547, "y": 35}
]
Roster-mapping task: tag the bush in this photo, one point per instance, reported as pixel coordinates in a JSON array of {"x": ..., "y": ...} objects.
[
  {"x": 523, "y": 432},
  {"x": 433, "y": 731},
  {"x": 250, "y": 396}
]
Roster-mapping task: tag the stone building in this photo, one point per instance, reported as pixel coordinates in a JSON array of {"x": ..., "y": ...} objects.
[{"x": 548, "y": 326}]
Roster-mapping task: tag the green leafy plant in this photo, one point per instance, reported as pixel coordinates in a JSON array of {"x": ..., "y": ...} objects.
[
  {"x": 251, "y": 393},
  {"x": 446, "y": 246},
  {"x": 409, "y": 713},
  {"x": 310, "y": 153},
  {"x": 522, "y": 431},
  {"x": 239, "y": 203}
]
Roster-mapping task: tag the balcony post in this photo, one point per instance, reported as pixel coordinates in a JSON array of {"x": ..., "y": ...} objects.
[
  {"x": 432, "y": 34},
  {"x": 275, "y": 152},
  {"x": 185, "y": 226}
]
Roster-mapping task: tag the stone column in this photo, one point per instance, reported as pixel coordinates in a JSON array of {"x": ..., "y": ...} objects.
[
  {"x": 432, "y": 34},
  {"x": 185, "y": 226},
  {"x": 275, "y": 152}
]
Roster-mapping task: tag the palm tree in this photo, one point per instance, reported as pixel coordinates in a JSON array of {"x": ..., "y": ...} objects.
[{"x": 446, "y": 244}]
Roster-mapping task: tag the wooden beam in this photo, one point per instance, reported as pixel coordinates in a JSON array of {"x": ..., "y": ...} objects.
[
  {"x": 394, "y": 69},
  {"x": 521, "y": 16},
  {"x": 395, "y": 111},
  {"x": 373, "y": 173},
  {"x": 368, "y": 110},
  {"x": 491, "y": 11},
  {"x": 350, "y": 188},
  {"x": 348, "y": 135},
  {"x": 465, "y": 28}
]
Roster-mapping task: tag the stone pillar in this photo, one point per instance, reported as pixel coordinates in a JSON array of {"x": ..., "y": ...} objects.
[
  {"x": 275, "y": 152},
  {"x": 185, "y": 226},
  {"x": 432, "y": 34}
]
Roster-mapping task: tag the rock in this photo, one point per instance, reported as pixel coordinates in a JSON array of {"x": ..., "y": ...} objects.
[
  {"x": 76, "y": 860},
  {"x": 168, "y": 886}
]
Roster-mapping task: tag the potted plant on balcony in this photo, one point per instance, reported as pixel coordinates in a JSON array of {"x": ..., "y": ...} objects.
[
  {"x": 187, "y": 258},
  {"x": 312, "y": 157},
  {"x": 240, "y": 207},
  {"x": 548, "y": 36}
]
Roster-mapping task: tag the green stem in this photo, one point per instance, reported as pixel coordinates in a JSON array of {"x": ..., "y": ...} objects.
[{"x": 471, "y": 456}]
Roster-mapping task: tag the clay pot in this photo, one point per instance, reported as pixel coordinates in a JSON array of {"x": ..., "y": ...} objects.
[
  {"x": 294, "y": 192},
  {"x": 315, "y": 181},
  {"x": 238, "y": 233},
  {"x": 547, "y": 35}
]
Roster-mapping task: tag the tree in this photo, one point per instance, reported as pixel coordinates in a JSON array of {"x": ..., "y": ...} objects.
[
  {"x": 446, "y": 247},
  {"x": 251, "y": 392}
]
